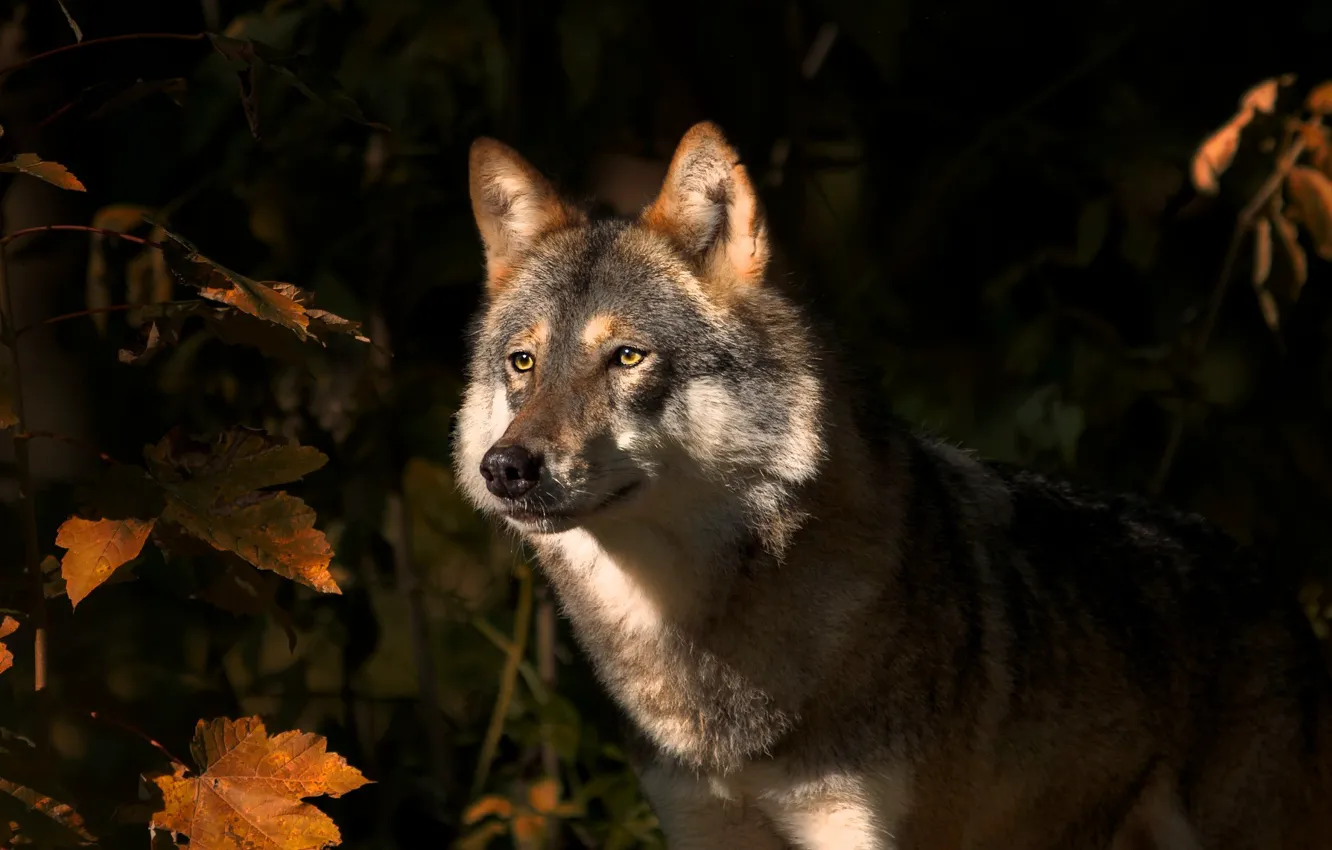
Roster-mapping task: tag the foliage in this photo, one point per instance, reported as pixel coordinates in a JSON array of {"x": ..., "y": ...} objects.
[{"x": 1026, "y": 243}]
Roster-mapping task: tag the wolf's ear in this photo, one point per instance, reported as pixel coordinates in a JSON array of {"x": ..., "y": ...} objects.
[
  {"x": 708, "y": 207},
  {"x": 513, "y": 204}
]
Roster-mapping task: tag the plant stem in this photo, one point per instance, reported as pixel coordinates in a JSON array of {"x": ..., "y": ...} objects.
[
  {"x": 517, "y": 649},
  {"x": 78, "y": 228},
  {"x": 23, "y": 461}
]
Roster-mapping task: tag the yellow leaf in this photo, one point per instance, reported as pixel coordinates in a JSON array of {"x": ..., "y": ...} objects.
[
  {"x": 52, "y": 172},
  {"x": 44, "y": 821},
  {"x": 248, "y": 793},
  {"x": 1310, "y": 193},
  {"x": 261, "y": 301},
  {"x": 527, "y": 829},
  {"x": 97, "y": 548}
]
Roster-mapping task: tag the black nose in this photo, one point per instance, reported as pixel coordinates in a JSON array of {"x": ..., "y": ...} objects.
[{"x": 510, "y": 471}]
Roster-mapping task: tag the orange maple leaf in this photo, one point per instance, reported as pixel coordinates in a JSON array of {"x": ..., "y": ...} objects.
[
  {"x": 248, "y": 793},
  {"x": 97, "y": 548},
  {"x": 7, "y": 627}
]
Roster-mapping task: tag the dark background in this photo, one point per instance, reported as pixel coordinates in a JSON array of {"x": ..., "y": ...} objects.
[{"x": 989, "y": 203}]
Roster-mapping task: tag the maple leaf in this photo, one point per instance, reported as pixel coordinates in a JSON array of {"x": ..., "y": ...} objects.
[
  {"x": 248, "y": 792},
  {"x": 97, "y": 548},
  {"x": 52, "y": 172},
  {"x": 214, "y": 493},
  {"x": 7, "y": 627}
]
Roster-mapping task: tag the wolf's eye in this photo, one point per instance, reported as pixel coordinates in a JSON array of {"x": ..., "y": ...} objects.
[
  {"x": 628, "y": 357},
  {"x": 522, "y": 361}
]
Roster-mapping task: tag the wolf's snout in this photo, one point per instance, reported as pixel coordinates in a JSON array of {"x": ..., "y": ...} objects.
[{"x": 510, "y": 471}]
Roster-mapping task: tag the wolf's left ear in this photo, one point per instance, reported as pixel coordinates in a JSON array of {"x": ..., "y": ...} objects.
[
  {"x": 514, "y": 206},
  {"x": 708, "y": 207}
]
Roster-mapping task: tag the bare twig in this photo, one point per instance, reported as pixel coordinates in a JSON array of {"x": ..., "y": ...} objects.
[
  {"x": 97, "y": 715},
  {"x": 134, "y": 36},
  {"x": 79, "y": 314},
  {"x": 1197, "y": 346},
  {"x": 23, "y": 461},
  {"x": 517, "y": 649}
]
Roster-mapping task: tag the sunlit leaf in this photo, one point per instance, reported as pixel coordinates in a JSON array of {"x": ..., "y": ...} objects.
[
  {"x": 1310, "y": 194},
  {"x": 1217, "y": 152},
  {"x": 1319, "y": 99},
  {"x": 7, "y": 627},
  {"x": 97, "y": 548},
  {"x": 249, "y": 789},
  {"x": 52, "y": 172}
]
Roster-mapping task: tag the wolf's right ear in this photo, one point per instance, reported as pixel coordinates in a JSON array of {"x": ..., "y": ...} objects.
[{"x": 514, "y": 206}]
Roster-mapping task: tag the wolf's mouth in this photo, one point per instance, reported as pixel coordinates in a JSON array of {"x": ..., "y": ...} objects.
[{"x": 566, "y": 518}]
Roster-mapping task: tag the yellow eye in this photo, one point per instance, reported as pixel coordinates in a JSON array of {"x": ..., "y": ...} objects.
[
  {"x": 628, "y": 357},
  {"x": 522, "y": 361}
]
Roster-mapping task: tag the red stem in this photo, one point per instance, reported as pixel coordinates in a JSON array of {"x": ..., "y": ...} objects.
[
  {"x": 78, "y": 228},
  {"x": 134, "y": 36},
  {"x": 65, "y": 438}
]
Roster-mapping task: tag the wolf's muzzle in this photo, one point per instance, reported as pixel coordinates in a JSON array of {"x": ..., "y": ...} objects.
[{"x": 510, "y": 471}]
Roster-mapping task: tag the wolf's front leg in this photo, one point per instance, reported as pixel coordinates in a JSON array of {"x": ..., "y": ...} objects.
[{"x": 693, "y": 817}]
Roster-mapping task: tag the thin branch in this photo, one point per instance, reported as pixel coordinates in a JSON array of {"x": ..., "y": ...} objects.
[
  {"x": 97, "y": 715},
  {"x": 78, "y": 228},
  {"x": 134, "y": 36},
  {"x": 23, "y": 460},
  {"x": 1198, "y": 344},
  {"x": 93, "y": 311},
  {"x": 517, "y": 649}
]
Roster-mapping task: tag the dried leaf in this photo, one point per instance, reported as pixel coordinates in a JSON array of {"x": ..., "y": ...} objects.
[
  {"x": 1217, "y": 152},
  {"x": 218, "y": 283},
  {"x": 1310, "y": 193},
  {"x": 78, "y": 33},
  {"x": 7, "y": 627},
  {"x": 97, "y": 548},
  {"x": 1319, "y": 100},
  {"x": 214, "y": 493},
  {"x": 52, "y": 172},
  {"x": 1262, "y": 251},
  {"x": 248, "y": 793},
  {"x": 1271, "y": 313},
  {"x": 40, "y": 819},
  {"x": 1291, "y": 252}
]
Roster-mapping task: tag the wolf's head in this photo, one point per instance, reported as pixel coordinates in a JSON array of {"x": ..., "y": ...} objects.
[{"x": 625, "y": 369}]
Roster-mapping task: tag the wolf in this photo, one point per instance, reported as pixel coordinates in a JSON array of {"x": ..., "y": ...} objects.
[{"x": 826, "y": 629}]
